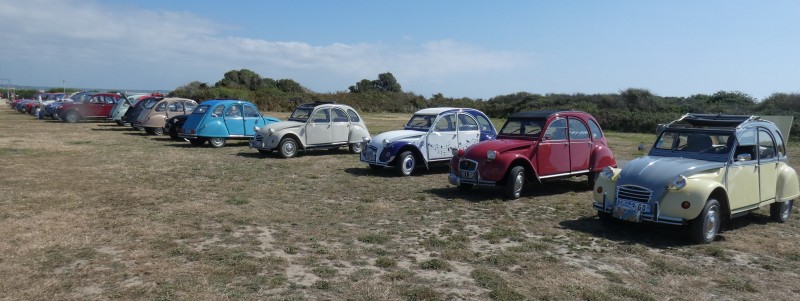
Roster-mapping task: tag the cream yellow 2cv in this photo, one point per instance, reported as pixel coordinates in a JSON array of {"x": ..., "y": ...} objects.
[{"x": 702, "y": 171}]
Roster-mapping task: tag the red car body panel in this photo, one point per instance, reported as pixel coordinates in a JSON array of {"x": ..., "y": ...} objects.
[{"x": 97, "y": 106}]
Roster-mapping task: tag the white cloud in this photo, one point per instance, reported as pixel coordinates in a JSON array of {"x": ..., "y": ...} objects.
[{"x": 164, "y": 49}]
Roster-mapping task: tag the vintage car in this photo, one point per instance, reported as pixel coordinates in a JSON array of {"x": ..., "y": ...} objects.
[
  {"x": 313, "y": 126},
  {"x": 429, "y": 137},
  {"x": 50, "y": 108},
  {"x": 703, "y": 170},
  {"x": 133, "y": 112},
  {"x": 96, "y": 107},
  {"x": 155, "y": 115},
  {"x": 121, "y": 107},
  {"x": 174, "y": 124},
  {"x": 533, "y": 147},
  {"x": 216, "y": 121}
]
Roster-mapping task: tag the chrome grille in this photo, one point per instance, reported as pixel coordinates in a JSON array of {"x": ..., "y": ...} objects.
[
  {"x": 634, "y": 193},
  {"x": 467, "y": 165},
  {"x": 258, "y": 138}
]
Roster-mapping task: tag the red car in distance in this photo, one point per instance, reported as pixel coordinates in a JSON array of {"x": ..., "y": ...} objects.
[
  {"x": 96, "y": 107},
  {"x": 533, "y": 147}
]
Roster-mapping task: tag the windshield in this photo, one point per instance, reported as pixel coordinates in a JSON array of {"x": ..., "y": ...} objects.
[
  {"x": 200, "y": 109},
  {"x": 683, "y": 143},
  {"x": 301, "y": 114},
  {"x": 420, "y": 122},
  {"x": 528, "y": 128}
]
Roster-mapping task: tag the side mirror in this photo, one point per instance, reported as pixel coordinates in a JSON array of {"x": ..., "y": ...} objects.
[{"x": 743, "y": 157}]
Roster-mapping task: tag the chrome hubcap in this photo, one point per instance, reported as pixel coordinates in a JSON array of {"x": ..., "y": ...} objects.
[
  {"x": 518, "y": 184},
  {"x": 712, "y": 223},
  {"x": 357, "y": 147},
  {"x": 288, "y": 148},
  {"x": 408, "y": 164},
  {"x": 787, "y": 208}
]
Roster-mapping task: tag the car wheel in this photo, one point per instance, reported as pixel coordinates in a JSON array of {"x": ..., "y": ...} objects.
[
  {"x": 375, "y": 166},
  {"x": 465, "y": 187},
  {"x": 55, "y": 116},
  {"x": 705, "y": 227},
  {"x": 288, "y": 147},
  {"x": 158, "y": 131},
  {"x": 780, "y": 212},
  {"x": 72, "y": 117},
  {"x": 173, "y": 135},
  {"x": 514, "y": 182},
  {"x": 406, "y": 163},
  {"x": 593, "y": 176},
  {"x": 355, "y": 148},
  {"x": 149, "y": 131},
  {"x": 197, "y": 141},
  {"x": 137, "y": 128},
  {"x": 120, "y": 123},
  {"x": 217, "y": 141}
]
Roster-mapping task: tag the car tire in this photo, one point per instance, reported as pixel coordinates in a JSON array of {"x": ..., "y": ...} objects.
[
  {"x": 197, "y": 141},
  {"x": 136, "y": 128},
  {"x": 120, "y": 123},
  {"x": 158, "y": 131},
  {"x": 149, "y": 131},
  {"x": 515, "y": 182},
  {"x": 72, "y": 117},
  {"x": 287, "y": 148},
  {"x": 465, "y": 187},
  {"x": 375, "y": 166},
  {"x": 781, "y": 212},
  {"x": 356, "y": 148},
  {"x": 174, "y": 135},
  {"x": 406, "y": 163},
  {"x": 706, "y": 226},
  {"x": 217, "y": 141}
]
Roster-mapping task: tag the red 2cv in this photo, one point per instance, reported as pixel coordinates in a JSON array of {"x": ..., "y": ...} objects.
[{"x": 532, "y": 147}]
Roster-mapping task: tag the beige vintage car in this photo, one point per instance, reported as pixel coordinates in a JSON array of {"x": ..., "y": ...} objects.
[
  {"x": 155, "y": 114},
  {"x": 702, "y": 171},
  {"x": 318, "y": 125}
]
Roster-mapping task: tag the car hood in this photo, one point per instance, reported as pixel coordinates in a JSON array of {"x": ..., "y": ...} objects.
[
  {"x": 281, "y": 125},
  {"x": 655, "y": 172},
  {"x": 500, "y": 145},
  {"x": 392, "y": 136}
]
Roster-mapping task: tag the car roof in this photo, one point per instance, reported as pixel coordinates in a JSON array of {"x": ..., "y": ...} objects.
[
  {"x": 541, "y": 113},
  {"x": 715, "y": 121},
  {"x": 330, "y": 104},
  {"x": 224, "y": 101},
  {"x": 435, "y": 111}
]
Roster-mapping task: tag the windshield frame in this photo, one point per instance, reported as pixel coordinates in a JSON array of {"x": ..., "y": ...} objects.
[
  {"x": 541, "y": 121},
  {"x": 296, "y": 117},
  {"x": 430, "y": 119},
  {"x": 719, "y": 156}
]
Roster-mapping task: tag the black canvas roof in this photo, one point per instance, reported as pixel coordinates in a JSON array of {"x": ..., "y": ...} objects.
[
  {"x": 714, "y": 120},
  {"x": 536, "y": 114}
]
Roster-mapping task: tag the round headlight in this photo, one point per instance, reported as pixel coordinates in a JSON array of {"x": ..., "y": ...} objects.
[
  {"x": 271, "y": 131},
  {"x": 385, "y": 142},
  {"x": 257, "y": 129},
  {"x": 607, "y": 172},
  {"x": 365, "y": 139},
  {"x": 677, "y": 183},
  {"x": 491, "y": 155}
]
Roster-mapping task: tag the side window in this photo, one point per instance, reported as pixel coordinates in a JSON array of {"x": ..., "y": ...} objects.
[
  {"x": 250, "y": 111},
  {"x": 190, "y": 105},
  {"x": 746, "y": 145},
  {"x": 161, "y": 107},
  {"x": 467, "y": 123},
  {"x": 780, "y": 146},
  {"x": 486, "y": 125},
  {"x": 596, "y": 132},
  {"x": 577, "y": 130},
  {"x": 557, "y": 130},
  {"x": 176, "y": 107},
  {"x": 218, "y": 110},
  {"x": 353, "y": 116},
  {"x": 446, "y": 123},
  {"x": 321, "y": 115},
  {"x": 110, "y": 100},
  {"x": 96, "y": 99},
  {"x": 766, "y": 146},
  {"x": 234, "y": 111},
  {"x": 339, "y": 115}
]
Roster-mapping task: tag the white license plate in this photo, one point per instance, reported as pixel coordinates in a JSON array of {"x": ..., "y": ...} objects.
[
  {"x": 467, "y": 174},
  {"x": 633, "y": 205}
]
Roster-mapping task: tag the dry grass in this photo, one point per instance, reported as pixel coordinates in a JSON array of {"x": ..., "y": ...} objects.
[{"x": 96, "y": 211}]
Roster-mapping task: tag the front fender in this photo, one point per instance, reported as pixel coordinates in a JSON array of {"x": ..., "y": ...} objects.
[
  {"x": 602, "y": 157},
  {"x": 357, "y": 134},
  {"x": 214, "y": 128},
  {"x": 788, "y": 187},
  {"x": 696, "y": 192},
  {"x": 298, "y": 133}
]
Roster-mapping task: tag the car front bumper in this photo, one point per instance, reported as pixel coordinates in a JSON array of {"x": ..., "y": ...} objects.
[{"x": 653, "y": 215}]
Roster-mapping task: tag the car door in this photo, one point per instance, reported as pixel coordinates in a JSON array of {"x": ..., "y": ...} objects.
[
  {"x": 580, "y": 145},
  {"x": 767, "y": 165},
  {"x": 252, "y": 118},
  {"x": 234, "y": 120},
  {"x": 442, "y": 138},
  {"x": 94, "y": 106},
  {"x": 108, "y": 104},
  {"x": 742, "y": 178},
  {"x": 340, "y": 126},
  {"x": 553, "y": 151},
  {"x": 318, "y": 127},
  {"x": 468, "y": 131}
]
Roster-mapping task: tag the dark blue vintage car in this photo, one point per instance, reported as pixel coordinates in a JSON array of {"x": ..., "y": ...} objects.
[{"x": 216, "y": 121}]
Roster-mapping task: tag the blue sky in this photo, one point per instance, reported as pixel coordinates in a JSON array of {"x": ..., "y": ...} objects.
[{"x": 476, "y": 49}]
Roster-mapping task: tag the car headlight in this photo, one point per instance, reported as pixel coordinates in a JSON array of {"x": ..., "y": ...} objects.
[
  {"x": 365, "y": 140},
  {"x": 607, "y": 172},
  {"x": 271, "y": 131},
  {"x": 256, "y": 129},
  {"x": 491, "y": 155},
  {"x": 385, "y": 142},
  {"x": 677, "y": 183}
]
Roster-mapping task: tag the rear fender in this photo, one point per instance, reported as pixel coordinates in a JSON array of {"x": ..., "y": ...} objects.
[{"x": 788, "y": 187}]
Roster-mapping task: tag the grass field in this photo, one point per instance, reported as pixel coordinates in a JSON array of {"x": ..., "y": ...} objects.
[{"x": 94, "y": 211}]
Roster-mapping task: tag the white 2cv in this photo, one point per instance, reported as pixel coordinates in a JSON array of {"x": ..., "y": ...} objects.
[{"x": 318, "y": 125}]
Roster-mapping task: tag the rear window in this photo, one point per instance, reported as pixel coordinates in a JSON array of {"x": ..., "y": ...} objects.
[{"x": 200, "y": 109}]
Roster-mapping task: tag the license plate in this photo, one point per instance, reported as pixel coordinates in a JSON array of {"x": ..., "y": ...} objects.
[
  {"x": 633, "y": 205},
  {"x": 467, "y": 174},
  {"x": 629, "y": 210}
]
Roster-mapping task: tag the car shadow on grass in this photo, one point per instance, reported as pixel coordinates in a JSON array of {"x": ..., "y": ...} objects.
[
  {"x": 391, "y": 172},
  {"x": 532, "y": 190},
  {"x": 649, "y": 234}
]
